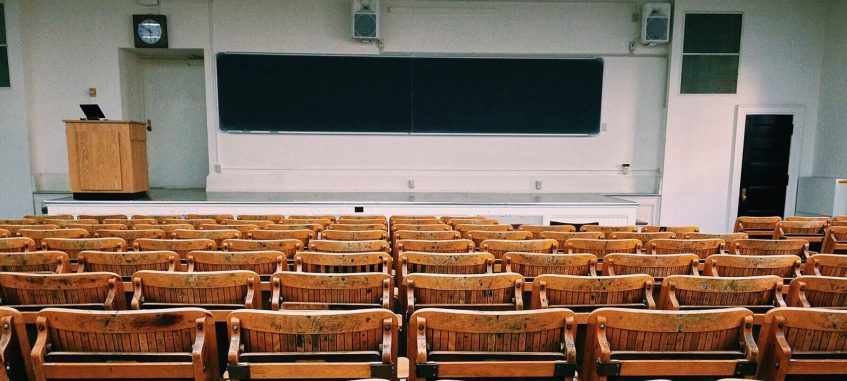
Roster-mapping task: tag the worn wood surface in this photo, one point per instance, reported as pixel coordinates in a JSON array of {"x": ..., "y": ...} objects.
[
  {"x": 728, "y": 265},
  {"x": 131, "y": 235},
  {"x": 757, "y": 293},
  {"x": 318, "y": 262},
  {"x": 536, "y": 230},
  {"x": 818, "y": 292},
  {"x": 499, "y": 247},
  {"x": 213, "y": 290},
  {"x": 601, "y": 247},
  {"x": 74, "y": 246},
  {"x": 126, "y": 264},
  {"x": 17, "y": 244},
  {"x": 827, "y": 265},
  {"x": 261, "y": 217},
  {"x": 287, "y": 246},
  {"x": 835, "y": 240},
  {"x": 179, "y": 246},
  {"x": 349, "y": 246},
  {"x": 657, "y": 266},
  {"x": 501, "y": 291},
  {"x": 531, "y": 265},
  {"x": 477, "y": 236},
  {"x": 35, "y": 262},
  {"x": 355, "y": 235},
  {"x": 303, "y": 235},
  {"x": 351, "y": 226},
  {"x": 38, "y": 235},
  {"x": 678, "y": 230},
  {"x": 331, "y": 291},
  {"x": 609, "y": 229},
  {"x": 32, "y": 292},
  {"x": 218, "y": 235},
  {"x": 758, "y": 227},
  {"x": 701, "y": 247},
  {"x": 264, "y": 262},
  {"x": 796, "y": 247},
  {"x": 14, "y": 347},
  {"x": 588, "y": 293}
]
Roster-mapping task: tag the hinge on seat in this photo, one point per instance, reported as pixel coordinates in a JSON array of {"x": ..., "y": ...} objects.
[
  {"x": 745, "y": 368},
  {"x": 609, "y": 368},
  {"x": 564, "y": 370},
  {"x": 238, "y": 371},
  {"x": 427, "y": 371},
  {"x": 380, "y": 370}
]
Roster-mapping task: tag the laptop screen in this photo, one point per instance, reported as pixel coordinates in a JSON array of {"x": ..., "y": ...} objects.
[{"x": 92, "y": 112}]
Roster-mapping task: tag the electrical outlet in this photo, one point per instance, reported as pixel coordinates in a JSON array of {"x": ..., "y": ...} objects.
[
  {"x": 92, "y": 92},
  {"x": 625, "y": 168},
  {"x": 411, "y": 184},
  {"x": 538, "y": 184}
]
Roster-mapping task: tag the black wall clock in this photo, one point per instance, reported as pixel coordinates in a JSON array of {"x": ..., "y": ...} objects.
[{"x": 150, "y": 31}]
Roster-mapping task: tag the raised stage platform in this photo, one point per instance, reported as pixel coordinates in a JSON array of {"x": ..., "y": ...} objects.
[{"x": 535, "y": 208}]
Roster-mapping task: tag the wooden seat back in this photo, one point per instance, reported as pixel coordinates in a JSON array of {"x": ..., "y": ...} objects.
[
  {"x": 583, "y": 294},
  {"x": 160, "y": 218},
  {"x": 349, "y": 246},
  {"x": 827, "y": 265},
  {"x": 413, "y": 262},
  {"x": 562, "y": 237},
  {"x": 102, "y": 217},
  {"x": 55, "y": 262},
  {"x": 74, "y": 246},
  {"x": 537, "y": 345},
  {"x": 13, "y": 229},
  {"x": 126, "y": 264},
  {"x": 421, "y": 227},
  {"x": 303, "y": 235},
  {"x": 357, "y": 227},
  {"x": 180, "y": 246},
  {"x": 729, "y": 265},
  {"x": 19, "y": 221},
  {"x": 363, "y": 221},
  {"x": 264, "y": 262},
  {"x": 678, "y": 230},
  {"x": 827, "y": 220},
  {"x": 362, "y": 217},
  {"x": 531, "y": 265},
  {"x": 701, "y": 247},
  {"x": 812, "y": 231},
  {"x": 32, "y": 292},
  {"x": 355, "y": 235},
  {"x": 42, "y": 217},
  {"x": 601, "y": 247},
  {"x": 657, "y": 266},
  {"x": 756, "y": 293},
  {"x": 536, "y": 230},
  {"x": 5, "y": 233},
  {"x": 38, "y": 234},
  {"x": 499, "y": 247},
  {"x": 216, "y": 217},
  {"x": 14, "y": 347},
  {"x": 131, "y": 235},
  {"x": 17, "y": 245},
  {"x": 669, "y": 344},
  {"x": 500, "y": 292},
  {"x": 275, "y": 218},
  {"x": 212, "y": 290},
  {"x": 835, "y": 240},
  {"x": 436, "y": 246},
  {"x": 422, "y": 235},
  {"x": 322, "y": 222},
  {"x": 803, "y": 342},
  {"x": 818, "y": 292},
  {"x": 167, "y": 228},
  {"x": 172, "y": 344},
  {"x": 322, "y": 345},
  {"x": 219, "y": 236},
  {"x": 368, "y": 262},
  {"x": 195, "y": 222},
  {"x": 243, "y": 227},
  {"x": 477, "y": 236},
  {"x": 642, "y": 236},
  {"x": 130, "y": 224},
  {"x": 729, "y": 238},
  {"x": 758, "y": 227},
  {"x": 471, "y": 221},
  {"x": 287, "y": 246},
  {"x": 414, "y": 221},
  {"x": 93, "y": 228},
  {"x": 329, "y": 217},
  {"x": 609, "y": 229},
  {"x": 465, "y": 228},
  {"x": 313, "y": 291},
  {"x": 796, "y": 247}
]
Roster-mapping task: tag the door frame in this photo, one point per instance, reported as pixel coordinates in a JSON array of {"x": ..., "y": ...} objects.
[{"x": 741, "y": 112}]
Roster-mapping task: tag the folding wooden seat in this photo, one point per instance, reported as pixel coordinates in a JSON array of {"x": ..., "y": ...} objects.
[
  {"x": 523, "y": 345},
  {"x": 264, "y": 262},
  {"x": 413, "y": 262},
  {"x": 601, "y": 247},
  {"x": 323, "y": 222},
  {"x": 13, "y": 229},
  {"x": 287, "y": 246},
  {"x": 216, "y": 217},
  {"x": 168, "y": 344},
  {"x": 818, "y": 292},
  {"x": 131, "y": 235},
  {"x": 562, "y": 237},
  {"x": 160, "y": 218},
  {"x": 454, "y": 222},
  {"x": 531, "y": 265},
  {"x": 826, "y": 265},
  {"x": 42, "y": 217},
  {"x": 447, "y": 219},
  {"x": 642, "y": 236},
  {"x": 729, "y": 238},
  {"x": 424, "y": 235},
  {"x": 701, "y": 247},
  {"x": 839, "y": 218},
  {"x": 17, "y": 244},
  {"x": 756, "y": 293},
  {"x": 537, "y": 229},
  {"x": 314, "y": 228},
  {"x": 180, "y": 246},
  {"x": 349, "y": 246},
  {"x": 415, "y": 221},
  {"x": 362, "y": 221},
  {"x": 329, "y": 217},
  {"x": 465, "y": 228},
  {"x": 756, "y": 227},
  {"x": 796, "y": 247},
  {"x": 729, "y": 265},
  {"x": 74, "y": 246},
  {"x": 835, "y": 240},
  {"x": 326, "y": 345},
  {"x": 673, "y": 344},
  {"x": 812, "y": 231},
  {"x": 678, "y": 230},
  {"x": 130, "y": 224},
  {"x": 496, "y": 292},
  {"x": 29, "y": 292},
  {"x": 243, "y": 228},
  {"x": 37, "y": 234},
  {"x": 477, "y": 236},
  {"x": 93, "y": 228},
  {"x": 126, "y": 264},
  {"x": 317, "y": 262},
  {"x": 421, "y": 227},
  {"x": 303, "y": 235},
  {"x": 435, "y": 246},
  {"x": 196, "y": 222},
  {"x": 839, "y": 223},
  {"x": 357, "y": 227},
  {"x": 101, "y": 217},
  {"x": 5, "y": 233},
  {"x": 609, "y": 229},
  {"x": 216, "y": 291},
  {"x": 167, "y": 228},
  {"x": 355, "y": 235},
  {"x": 582, "y": 294},
  {"x": 22, "y": 221},
  {"x": 14, "y": 347},
  {"x": 218, "y": 235},
  {"x": 657, "y": 266},
  {"x": 361, "y": 217},
  {"x": 45, "y": 262},
  {"x": 498, "y": 247},
  {"x": 802, "y": 342},
  {"x": 63, "y": 224},
  {"x": 261, "y": 217},
  {"x": 315, "y": 291},
  {"x": 237, "y": 224},
  {"x": 827, "y": 220},
  {"x": 413, "y": 217}
]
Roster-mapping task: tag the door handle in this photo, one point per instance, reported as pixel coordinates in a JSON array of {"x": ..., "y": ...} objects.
[{"x": 743, "y": 194}]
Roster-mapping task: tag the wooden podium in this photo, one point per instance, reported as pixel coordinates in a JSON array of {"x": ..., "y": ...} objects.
[{"x": 107, "y": 159}]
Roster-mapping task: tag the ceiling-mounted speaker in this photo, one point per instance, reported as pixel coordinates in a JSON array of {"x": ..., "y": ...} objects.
[
  {"x": 656, "y": 23},
  {"x": 366, "y": 19}
]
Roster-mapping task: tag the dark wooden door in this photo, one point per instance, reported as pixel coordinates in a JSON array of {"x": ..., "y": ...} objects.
[{"x": 764, "y": 165}]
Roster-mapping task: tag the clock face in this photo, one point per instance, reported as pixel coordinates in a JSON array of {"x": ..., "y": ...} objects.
[{"x": 149, "y": 31}]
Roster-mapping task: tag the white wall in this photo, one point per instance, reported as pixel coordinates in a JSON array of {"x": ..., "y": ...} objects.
[
  {"x": 831, "y": 152},
  {"x": 781, "y": 52},
  {"x": 15, "y": 175}
]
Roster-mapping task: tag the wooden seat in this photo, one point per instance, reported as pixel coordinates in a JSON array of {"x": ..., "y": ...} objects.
[
  {"x": 826, "y": 220},
  {"x": 355, "y": 235},
  {"x": 17, "y": 244},
  {"x": 303, "y": 235},
  {"x": 537, "y": 345},
  {"x": 180, "y": 246},
  {"x": 643, "y": 237},
  {"x": 583, "y": 294},
  {"x": 812, "y": 231},
  {"x": 131, "y": 235},
  {"x": 536, "y": 230},
  {"x": 673, "y": 344},
  {"x": 477, "y": 236},
  {"x": 5, "y": 233},
  {"x": 264, "y": 262},
  {"x": 601, "y": 247},
  {"x": 213, "y": 290},
  {"x": 93, "y": 228},
  {"x": 218, "y": 235},
  {"x": 20, "y": 221},
  {"x": 363, "y": 221},
  {"x": 38, "y": 235},
  {"x": 63, "y": 224},
  {"x": 827, "y": 265},
  {"x": 14, "y": 347},
  {"x": 756, "y": 293},
  {"x": 349, "y": 246},
  {"x": 678, "y": 230},
  {"x": 421, "y": 227},
  {"x": 497, "y": 292},
  {"x": 196, "y": 223},
  {"x": 609, "y": 229},
  {"x": 729, "y": 238},
  {"x": 701, "y": 247},
  {"x": 531, "y": 265},
  {"x": 171, "y": 344},
  {"x": 46, "y": 262},
  {"x": 126, "y": 264},
  {"x": 260, "y": 217},
  {"x": 499, "y": 247},
  {"x": 413, "y": 262},
  {"x": 13, "y": 229},
  {"x": 287, "y": 246},
  {"x": 167, "y": 228},
  {"x": 329, "y": 217},
  {"x": 216, "y": 217},
  {"x": 347, "y": 227},
  {"x": 101, "y": 217},
  {"x": 42, "y": 217},
  {"x": 465, "y": 228},
  {"x": 316, "y": 262},
  {"x": 835, "y": 240},
  {"x": 314, "y": 291},
  {"x": 74, "y": 246},
  {"x": 818, "y": 292},
  {"x": 322, "y": 345},
  {"x": 839, "y": 223},
  {"x": 322, "y": 222},
  {"x": 360, "y": 217},
  {"x": 796, "y": 247},
  {"x": 803, "y": 342},
  {"x": 728, "y": 265},
  {"x": 757, "y": 227},
  {"x": 657, "y": 266},
  {"x": 423, "y": 235},
  {"x": 470, "y": 221},
  {"x": 242, "y": 225},
  {"x": 160, "y": 218},
  {"x": 423, "y": 220},
  {"x": 130, "y": 224},
  {"x": 28, "y": 292},
  {"x": 436, "y": 246},
  {"x": 562, "y": 237},
  {"x": 243, "y": 228}
]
